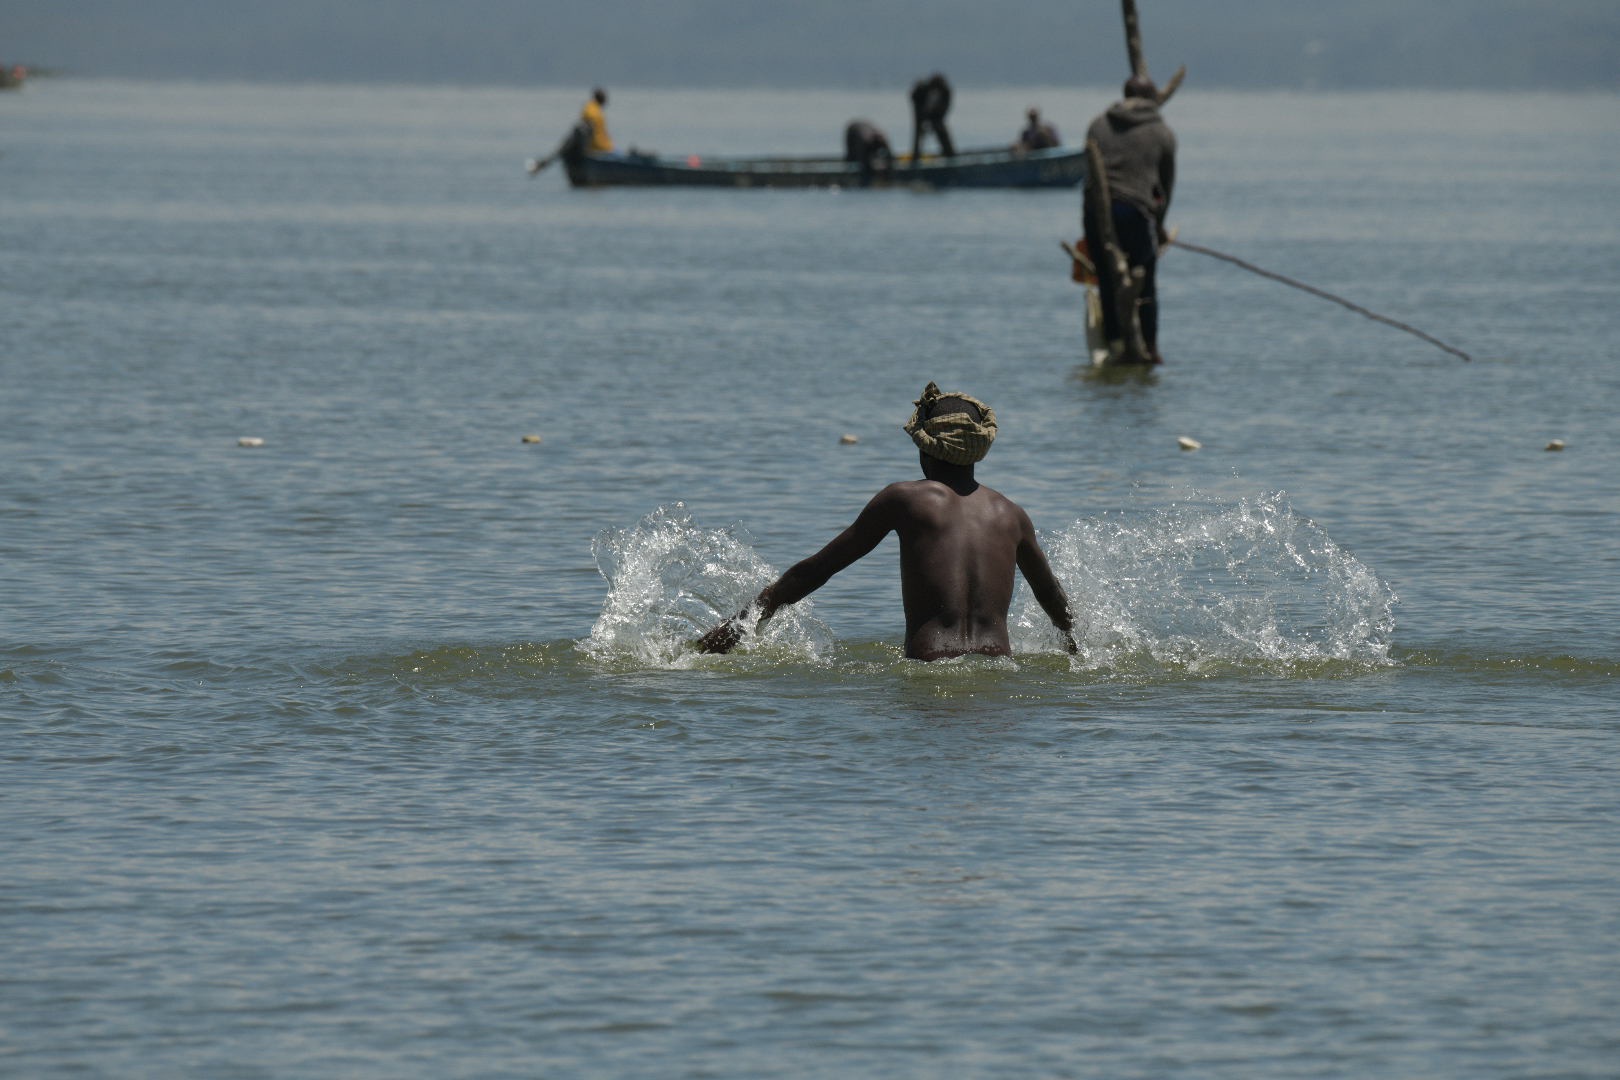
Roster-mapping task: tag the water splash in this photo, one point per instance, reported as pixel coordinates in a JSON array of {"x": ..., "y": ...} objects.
[
  {"x": 1200, "y": 585},
  {"x": 669, "y": 581},
  {"x": 1205, "y": 585}
]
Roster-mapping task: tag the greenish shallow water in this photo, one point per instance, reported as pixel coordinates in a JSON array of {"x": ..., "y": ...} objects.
[{"x": 371, "y": 751}]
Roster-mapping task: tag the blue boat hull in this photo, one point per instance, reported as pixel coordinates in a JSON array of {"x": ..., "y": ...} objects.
[{"x": 1059, "y": 167}]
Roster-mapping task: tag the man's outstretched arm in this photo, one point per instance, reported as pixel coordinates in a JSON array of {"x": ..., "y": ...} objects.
[
  {"x": 1044, "y": 584},
  {"x": 803, "y": 578}
]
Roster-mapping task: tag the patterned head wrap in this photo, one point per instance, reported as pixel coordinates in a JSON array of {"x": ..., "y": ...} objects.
[{"x": 952, "y": 437}]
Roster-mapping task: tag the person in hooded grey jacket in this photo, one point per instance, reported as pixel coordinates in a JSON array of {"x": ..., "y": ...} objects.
[{"x": 1139, "y": 155}]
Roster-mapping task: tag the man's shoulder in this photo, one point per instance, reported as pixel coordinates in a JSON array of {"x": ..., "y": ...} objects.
[
  {"x": 923, "y": 492},
  {"x": 912, "y": 490},
  {"x": 918, "y": 495},
  {"x": 1006, "y": 506}
]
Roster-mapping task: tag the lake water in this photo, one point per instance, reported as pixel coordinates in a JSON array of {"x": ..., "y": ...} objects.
[{"x": 373, "y": 751}]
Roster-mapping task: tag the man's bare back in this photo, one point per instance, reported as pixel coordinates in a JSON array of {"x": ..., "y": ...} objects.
[
  {"x": 959, "y": 544},
  {"x": 958, "y": 551}
]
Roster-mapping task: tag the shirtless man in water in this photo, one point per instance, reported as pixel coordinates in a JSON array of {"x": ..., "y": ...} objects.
[{"x": 959, "y": 543}]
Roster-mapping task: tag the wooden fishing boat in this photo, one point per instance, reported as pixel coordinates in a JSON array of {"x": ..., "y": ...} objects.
[{"x": 1058, "y": 167}]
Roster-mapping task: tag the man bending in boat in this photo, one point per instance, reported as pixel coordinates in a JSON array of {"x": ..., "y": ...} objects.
[
  {"x": 867, "y": 147},
  {"x": 959, "y": 544}
]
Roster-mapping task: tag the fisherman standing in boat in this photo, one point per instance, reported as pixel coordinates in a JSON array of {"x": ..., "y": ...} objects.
[
  {"x": 959, "y": 545},
  {"x": 1139, "y": 156},
  {"x": 930, "y": 101}
]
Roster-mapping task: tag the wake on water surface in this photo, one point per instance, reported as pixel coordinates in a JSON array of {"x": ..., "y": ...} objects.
[{"x": 1198, "y": 586}]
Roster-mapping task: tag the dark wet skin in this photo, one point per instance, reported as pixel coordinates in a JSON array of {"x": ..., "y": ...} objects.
[{"x": 959, "y": 545}]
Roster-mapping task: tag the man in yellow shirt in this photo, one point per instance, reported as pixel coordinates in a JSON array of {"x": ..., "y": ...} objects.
[
  {"x": 591, "y": 116},
  {"x": 588, "y": 135}
]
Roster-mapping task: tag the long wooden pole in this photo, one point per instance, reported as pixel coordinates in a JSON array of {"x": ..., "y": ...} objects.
[
  {"x": 1325, "y": 295},
  {"x": 1133, "y": 40}
]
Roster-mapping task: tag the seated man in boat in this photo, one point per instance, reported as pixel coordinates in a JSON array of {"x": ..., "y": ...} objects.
[
  {"x": 959, "y": 545},
  {"x": 930, "y": 101},
  {"x": 867, "y": 147},
  {"x": 591, "y": 117},
  {"x": 1037, "y": 133},
  {"x": 1139, "y": 157}
]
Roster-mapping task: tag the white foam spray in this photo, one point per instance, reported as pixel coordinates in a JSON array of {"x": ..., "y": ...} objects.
[
  {"x": 1199, "y": 585},
  {"x": 670, "y": 581},
  {"x": 1203, "y": 584}
]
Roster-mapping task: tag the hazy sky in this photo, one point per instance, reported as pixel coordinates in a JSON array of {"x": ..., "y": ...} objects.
[{"x": 1501, "y": 44}]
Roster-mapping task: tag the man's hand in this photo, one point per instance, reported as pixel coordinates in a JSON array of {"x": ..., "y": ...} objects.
[{"x": 722, "y": 639}]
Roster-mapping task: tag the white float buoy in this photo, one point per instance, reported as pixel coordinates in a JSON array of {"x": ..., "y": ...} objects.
[
  {"x": 848, "y": 440},
  {"x": 250, "y": 441},
  {"x": 1189, "y": 444},
  {"x": 531, "y": 438},
  {"x": 1556, "y": 444}
]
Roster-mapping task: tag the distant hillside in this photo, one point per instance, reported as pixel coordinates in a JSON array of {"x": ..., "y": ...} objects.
[{"x": 1492, "y": 44}]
